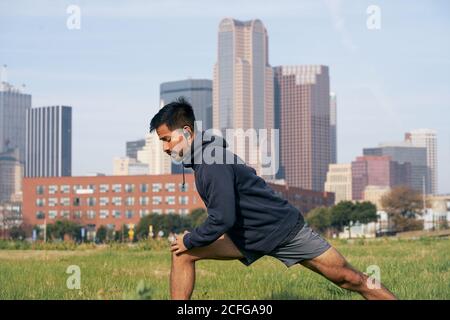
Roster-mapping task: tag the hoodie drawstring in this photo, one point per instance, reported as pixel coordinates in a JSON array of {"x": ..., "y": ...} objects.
[{"x": 182, "y": 185}]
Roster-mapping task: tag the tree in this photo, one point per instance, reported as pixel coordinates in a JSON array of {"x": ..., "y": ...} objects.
[
  {"x": 364, "y": 212},
  {"x": 64, "y": 227},
  {"x": 342, "y": 215},
  {"x": 403, "y": 205},
  {"x": 101, "y": 234},
  {"x": 319, "y": 219},
  {"x": 17, "y": 233}
]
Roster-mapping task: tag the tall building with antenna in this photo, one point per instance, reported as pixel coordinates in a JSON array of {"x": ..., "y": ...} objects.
[{"x": 14, "y": 104}]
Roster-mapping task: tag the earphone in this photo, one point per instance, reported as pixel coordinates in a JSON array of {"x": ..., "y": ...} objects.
[{"x": 186, "y": 134}]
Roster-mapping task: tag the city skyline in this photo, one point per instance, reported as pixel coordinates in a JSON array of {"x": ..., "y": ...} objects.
[{"x": 380, "y": 97}]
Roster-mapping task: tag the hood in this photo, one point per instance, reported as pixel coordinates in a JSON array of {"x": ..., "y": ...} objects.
[{"x": 201, "y": 141}]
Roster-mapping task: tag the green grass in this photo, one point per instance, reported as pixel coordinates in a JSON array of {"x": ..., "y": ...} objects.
[{"x": 412, "y": 269}]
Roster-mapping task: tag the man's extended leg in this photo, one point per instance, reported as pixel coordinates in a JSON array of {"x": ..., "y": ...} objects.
[
  {"x": 182, "y": 273},
  {"x": 333, "y": 266}
]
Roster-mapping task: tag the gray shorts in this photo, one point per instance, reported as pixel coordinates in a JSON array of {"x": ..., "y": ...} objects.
[{"x": 306, "y": 245}]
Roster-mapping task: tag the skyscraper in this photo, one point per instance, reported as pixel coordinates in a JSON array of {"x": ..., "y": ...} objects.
[
  {"x": 10, "y": 174},
  {"x": 14, "y": 104},
  {"x": 403, "y": 152},
  {"x": 427, "y": 138},
  {"x": 197, "y": 91},
  {"x": 302, "y": 109},
  {"x": 243, "y": 80},
  {"x": 378, "y": 171},
  {"x": 339, "y": 181},
  {"x": 49, "y": 142},
  {"x": 133, "y": 147},
  {"x": 333, "y": 127},
  {"x": 152, "y": 154}
]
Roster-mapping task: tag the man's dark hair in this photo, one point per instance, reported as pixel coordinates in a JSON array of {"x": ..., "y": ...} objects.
[{"x": 175, "y": 115}]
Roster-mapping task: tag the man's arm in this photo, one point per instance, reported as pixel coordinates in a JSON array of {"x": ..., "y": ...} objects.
[{"x": 218, "y": 181}]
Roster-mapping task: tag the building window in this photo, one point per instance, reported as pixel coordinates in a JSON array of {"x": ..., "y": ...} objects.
[
  {"x": 52, "y": 214},
  {"x": 144, "y": 187},
  {"x": 77, "y": 187},
  {"x": 90, "y": 214},
  {"x": 129, "y": 201},
  {"x": 104, "y": 214},
  {"x": 156, "y": 187},
  {"x": 157, "y": 200},
  {"x": 103, "y": 201},
  {"x": 77, "y": 214},
  {"x": 117, "y": 201},
  {"x": 170, "y": 187},
  {"x": 157, "y": 211},
  {"x": 184, "y": 211},
  {"x": 129, "y": 214},
  {"x": 77, "y": 202},
  {"x": 40, "y": 202},
  {"x": 170, "y": 211},
  {"x": 52, "y": 202},
  {"x": 183, "y": 200},
  {"x": 144, "y": 212},
  {"x": 180, "y": 187},
  {"x": 116, "y": 214},
  {"x": 104, "y": 188},
  {"x": 129, "y": 188},
  {"x": 40, "y": 189},
  {"x": 65, "y": 214},
  {"x": 170, "y": 200},
  {"x": 91, "y": 187},
  {"x": 143, "y": 201},
  {"x": 65, "y": 188},
  {"x": 52, "y": 189},
  {"x": 91, "y": 201},
  {"x": 40, "y": 215},
  {"x": 117, "y": 188},
  {"x": 64, "y": 202}
]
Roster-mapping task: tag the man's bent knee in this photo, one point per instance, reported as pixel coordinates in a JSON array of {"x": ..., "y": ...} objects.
[{"x": 184, "y": 257}]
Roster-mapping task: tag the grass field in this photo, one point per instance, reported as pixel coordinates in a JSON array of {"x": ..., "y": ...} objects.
[{"x": 412, "y": 269}]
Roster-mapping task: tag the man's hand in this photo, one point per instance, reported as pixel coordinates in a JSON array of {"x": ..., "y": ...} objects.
[{"x": 177, "y": 245}]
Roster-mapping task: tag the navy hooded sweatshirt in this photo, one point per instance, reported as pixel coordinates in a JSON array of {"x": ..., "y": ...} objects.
[{"x": 238, "y": 202}]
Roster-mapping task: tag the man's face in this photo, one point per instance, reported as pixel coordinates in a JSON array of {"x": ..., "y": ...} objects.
[{"x": 174, "y": 142}]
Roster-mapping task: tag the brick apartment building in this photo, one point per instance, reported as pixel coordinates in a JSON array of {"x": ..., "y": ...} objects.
[
  {"x": 304, "y": 200},
  {"x": 106, "y": 200},
  {"x": 113, "y": 201}
]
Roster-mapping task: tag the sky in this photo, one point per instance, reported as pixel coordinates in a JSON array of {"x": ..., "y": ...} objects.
[{"x": 388, "y": 80}]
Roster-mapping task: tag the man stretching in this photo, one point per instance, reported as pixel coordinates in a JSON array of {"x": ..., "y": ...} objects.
[{"x": 246, "y": 219}]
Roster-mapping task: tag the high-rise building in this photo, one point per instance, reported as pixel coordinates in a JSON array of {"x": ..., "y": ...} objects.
[
  {"x": 404, "y": 152},
  {"x": 243, "y": 83},
  {"x": 11, "y": 172},
  {"x": 197, "y": 91},
  {"x": 302, "y": 109},
  {"x": 333, "y": 127},
  {"x": 153, "y": 155},
  {"x": 378, "y": 171},
  {"x": 49, "y": 142},
  {"x": 375, "y": 194},
  {"x": 133, "y": 147},
  {"x": 339, "y": 181},
  {"x": 125, "y": 166},
  {"x": 13, "y": 106},
  {"x": 427, "y": 138}
]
